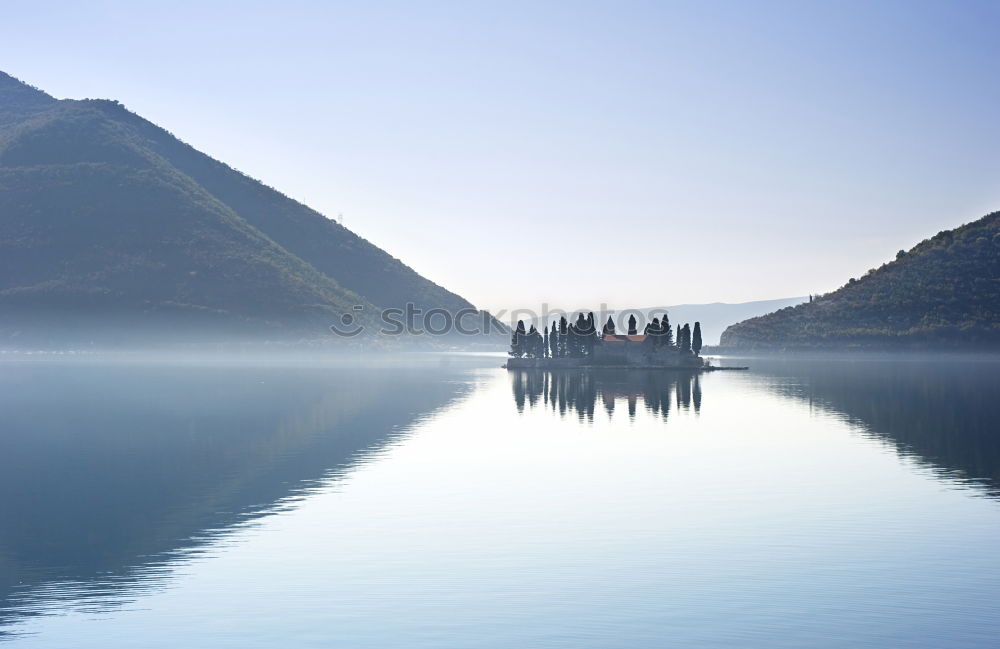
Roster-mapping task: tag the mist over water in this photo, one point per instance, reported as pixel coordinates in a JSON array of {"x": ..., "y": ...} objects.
[{"x": 439, "y": 501}]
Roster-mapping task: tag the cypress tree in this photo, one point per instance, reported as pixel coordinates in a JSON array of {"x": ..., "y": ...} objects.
[
  {"x": 686, "y": 338},
  {"x": 631, "y": 326},
  {"x": 554, "y": 341},
  {"x": 533, "y": 343},
  {"x": 545, "y": 342},
  {"x": 653, "y": 328},
  {"x": 678, "y": 334},
  {"x": 591, "y": 333},
  {"x": 563, "y": 337},
  {"x": 668, "y": 333},
  {"x": 578, "y": 335},
  {"x": 517, "y": 340},
  {"x": 609, "y": 327},
  {"x": 696, "y": 340}
]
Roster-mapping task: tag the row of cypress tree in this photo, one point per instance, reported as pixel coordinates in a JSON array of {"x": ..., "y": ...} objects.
[
  {"x": 577, "y": 339},
  {"x": 566, "y": 339}
]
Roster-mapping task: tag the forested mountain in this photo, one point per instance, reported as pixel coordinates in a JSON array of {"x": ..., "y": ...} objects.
[
  {"x": 108, "y": 220},
  {"x": 942, "y": 294}
]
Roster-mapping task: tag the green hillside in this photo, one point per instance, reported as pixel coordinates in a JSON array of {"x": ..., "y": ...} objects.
[
  {"x": 942, "y": 294},
  {"x": 106, "y": 218}
]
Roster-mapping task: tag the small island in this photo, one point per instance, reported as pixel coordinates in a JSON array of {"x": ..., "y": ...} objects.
[{"x": 577, "y": 344}]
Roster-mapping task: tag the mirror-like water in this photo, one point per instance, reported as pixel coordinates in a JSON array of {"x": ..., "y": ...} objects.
[{"x": 821, "y": 504}]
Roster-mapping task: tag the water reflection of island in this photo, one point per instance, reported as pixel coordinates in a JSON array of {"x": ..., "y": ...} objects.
[
  {"x": 941, "y": 412},
  {"x": 584, "y": 392}
]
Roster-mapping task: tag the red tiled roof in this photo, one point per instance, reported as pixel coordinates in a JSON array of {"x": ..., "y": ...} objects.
[{"x": 617, "y": 338}]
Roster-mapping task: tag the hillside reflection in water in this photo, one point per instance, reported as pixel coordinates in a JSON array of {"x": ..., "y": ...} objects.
[
  {"x": 109, "y": 473},
  {"x": 821, "y": 504}
]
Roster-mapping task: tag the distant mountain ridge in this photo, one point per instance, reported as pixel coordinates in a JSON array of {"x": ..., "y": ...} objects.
[
  {"x": 106, "y": 216},
  {"x": 716, "y": 316},
  {"x": 944, "y": 293}
]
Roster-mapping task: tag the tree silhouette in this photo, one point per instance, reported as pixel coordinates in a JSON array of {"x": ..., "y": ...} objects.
[
  {"x": 668, "y": 333},
  {"x": 631, "y": 326},
  {"x": 654, "y": 330},
  {"x": 517, "y": 340},
  {"x": 685, "y": 338},
  {"x": 577, "y": 335},
  {"x": 591, "y": 334},
  {"x": 696, "y": 339},
  {"x": 533, "y": 343}
]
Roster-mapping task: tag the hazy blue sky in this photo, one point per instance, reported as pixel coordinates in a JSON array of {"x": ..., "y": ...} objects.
[{"x": 634, "y": 153}]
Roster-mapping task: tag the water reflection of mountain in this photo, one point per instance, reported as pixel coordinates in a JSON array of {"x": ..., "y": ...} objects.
[
  {"x": 585, "y": 391},
  {"x": 108, "y": 472},
  {"x": 943, "y": 412}
]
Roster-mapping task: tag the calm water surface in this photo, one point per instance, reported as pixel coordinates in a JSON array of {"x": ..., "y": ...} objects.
[{"x": 451, "y": 504}]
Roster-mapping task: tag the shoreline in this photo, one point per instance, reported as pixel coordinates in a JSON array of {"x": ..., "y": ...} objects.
[{"x": 548, "y": 367}]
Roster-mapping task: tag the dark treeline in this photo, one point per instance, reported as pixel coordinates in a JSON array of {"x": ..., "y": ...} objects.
[
  {"x": 564, "y": 339},
  {"x": 584, "y": 392}
]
